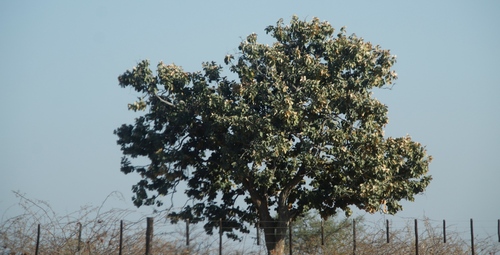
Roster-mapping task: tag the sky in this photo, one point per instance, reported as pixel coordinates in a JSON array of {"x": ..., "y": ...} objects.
[{"x": 60, "y": 100}]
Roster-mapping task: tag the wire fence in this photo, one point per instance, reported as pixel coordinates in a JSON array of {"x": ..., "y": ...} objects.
[
  {"x": 158, "y": 236},
  {"x": 93, "y": 230}
]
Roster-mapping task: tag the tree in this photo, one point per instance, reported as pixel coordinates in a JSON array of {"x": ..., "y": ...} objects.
[{"x": 297, "y": 130}]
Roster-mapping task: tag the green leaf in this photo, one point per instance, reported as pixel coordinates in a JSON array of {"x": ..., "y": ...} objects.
[{"x": 297, "y": 129}]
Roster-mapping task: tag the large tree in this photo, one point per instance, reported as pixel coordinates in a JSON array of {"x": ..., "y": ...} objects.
[{"x": 298, "y": 129}]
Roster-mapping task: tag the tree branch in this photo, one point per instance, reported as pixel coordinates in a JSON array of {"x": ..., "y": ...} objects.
[{"x": 164, "y": 101}]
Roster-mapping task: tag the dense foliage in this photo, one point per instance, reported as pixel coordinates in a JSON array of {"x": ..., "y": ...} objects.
[{"x": 299, "y": 129}]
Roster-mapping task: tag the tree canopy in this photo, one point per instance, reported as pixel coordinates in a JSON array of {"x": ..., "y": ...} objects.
[{"x": 299, "y": 129}]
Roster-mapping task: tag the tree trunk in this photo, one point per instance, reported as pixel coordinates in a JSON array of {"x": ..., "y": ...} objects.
[
  {"x": 275, "y": 229},
  {"x": 275, "y": 235}
]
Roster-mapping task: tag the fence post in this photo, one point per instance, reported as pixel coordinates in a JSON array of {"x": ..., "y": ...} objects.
[
  {"x": 257, "y": 226},
  {"x": 79, "y": 237},
  {"x": 498, "y": 230},
  {"x": 290, "y": 236},
  {"x": 149, "y": 234},
  {"x": 472, "y": 236},
  {"x": 387, "y": 230},
  {"x": 121, "y": 238},
  {"x": 220, "y": 236},
  {"x": 444, "y": 231},
  {"x": 322, "y": 232},
  {"x": 37, "y": 239},
  {"x": 187, "y": 233},
  {"x": 354, "y": 237},
  {"x": 416, "y": 237}
]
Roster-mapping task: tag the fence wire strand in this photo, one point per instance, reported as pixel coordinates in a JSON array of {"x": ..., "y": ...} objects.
[{"x": 95, "y": 231}]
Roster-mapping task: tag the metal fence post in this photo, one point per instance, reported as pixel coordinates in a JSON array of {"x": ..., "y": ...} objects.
[
  {"x": 416, "y": 237},
  {"x": 37, "y": 239},
  {"x": 220, "y": 236},
  {"x": 290, "y": 237},
  {"x": 444, "y": 231},
  {"x": 472, "y": 236},
  {"x": 121, "y": 238}
]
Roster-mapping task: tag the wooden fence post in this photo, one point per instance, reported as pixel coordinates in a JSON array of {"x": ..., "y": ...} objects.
[
  {"x": 121, "y": 238},
  {"x": 257, "y": 226},
  {"x": 387, "y": 230},
  {"x": 416, "y": 237},
  {"x": 149, "y": 234},
  {"x": 187, "y": 233},
  {"x": 472, "y": 236},
  {"x": 37, "y": 239},
  {"x": 354, "y": 237},
  {"x": 79, "y": 237},
  {"x": 322, "y": 232}
]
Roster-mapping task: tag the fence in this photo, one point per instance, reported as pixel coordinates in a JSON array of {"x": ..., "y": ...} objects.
[{"x": 346, "y": 236}]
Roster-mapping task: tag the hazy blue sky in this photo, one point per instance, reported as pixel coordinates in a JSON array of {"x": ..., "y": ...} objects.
[{"x": 60, "y": 100}]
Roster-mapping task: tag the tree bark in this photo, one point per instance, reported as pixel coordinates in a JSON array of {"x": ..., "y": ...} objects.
[
  {"x": 275, "y": 235},
  {"x": 275, "y": 230}
]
